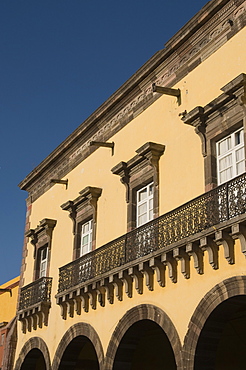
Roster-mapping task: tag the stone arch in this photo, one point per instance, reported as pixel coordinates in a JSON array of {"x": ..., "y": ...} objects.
[
  {"x": 34, "y": 343},
  {"x": 228, "y": 288},
  {"x": 74, "y": 331},
  {"x": 144, "y": 312}
]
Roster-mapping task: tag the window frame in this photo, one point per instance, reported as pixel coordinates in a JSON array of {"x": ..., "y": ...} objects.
[
  {"x": 149, "y": 197},
  {"x": 138, "y": 172},
  {"x": 230, "y": 152},
  {"x": 81, "y": 210},
  {"x": 41, "y": 238}
]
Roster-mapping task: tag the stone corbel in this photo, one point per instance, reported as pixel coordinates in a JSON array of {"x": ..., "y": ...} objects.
[
  {"x": 137, "y": 277},
  {"x": 196, "y": 118},
  {"x": 92, "y": 294},
  {"x": 159, "y": 268},
  {"x": 122, "y": 170},
  {"x": 71, "y": 208},
  {"x": 109, "y": 290},
  {"x": 127, "y": 280},
  {"x": 193, "y": 250},
  {"x": 208, "y": 244},
  {"x": 34, "y": 240},
  {"x": 101, "y": 292},
  {"x": 148, "y": 273},
  {"x": 238, "y": 231},
  {"x": 118, "y": 286},
  {"x": 180, "y": 255},
  {"x": 222, "y": 237},
  {"x": 171, "y": 263}
]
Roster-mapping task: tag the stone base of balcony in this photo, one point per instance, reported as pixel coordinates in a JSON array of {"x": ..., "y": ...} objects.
[
  {"x": 34, "y": 317},
  {"x": 122, "y": 279}
]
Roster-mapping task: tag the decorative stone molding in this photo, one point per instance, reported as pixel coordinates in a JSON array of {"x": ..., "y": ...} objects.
[
  {"x": 80, "y": 210},
  {"x": 217, "y": 119},
  {"x": 201, "y": 37},
  {"x": 137, "y": 172}
]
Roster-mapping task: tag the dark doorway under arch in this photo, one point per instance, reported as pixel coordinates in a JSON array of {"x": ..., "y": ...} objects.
[
  {"x": 80, "y": 354},
  {"x": 144, "y": 346},
  {"x": 34, "y": 361},
  {"x": 222, "y": 341}
]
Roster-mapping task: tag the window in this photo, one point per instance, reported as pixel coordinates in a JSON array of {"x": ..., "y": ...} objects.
[
  {"x": 86, "y": 237},
  {"x": 43, "y": 262},
  {"x": 41, "y": 239},
  {"x": 140, "y": 175},
  {"x": 230, "y": 156},
  {"x": 145, "y": 204},
  {"x": 83, "y": 212},
  {"x": 221, "y": 125}
]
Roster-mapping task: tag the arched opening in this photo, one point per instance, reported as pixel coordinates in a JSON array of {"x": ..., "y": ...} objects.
[
  {"x": 79, "y": 354},
  {"x": 34, "y": 361},
  {"x": 144, "y": 346},
  {"x": 222, "y": 341}
]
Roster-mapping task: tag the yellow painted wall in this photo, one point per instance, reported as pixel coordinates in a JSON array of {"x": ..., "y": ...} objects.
[
  {"x": 8, "y": 302},
  {"x": 181, "y": 179}
]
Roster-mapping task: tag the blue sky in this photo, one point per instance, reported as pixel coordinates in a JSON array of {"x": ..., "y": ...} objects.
[{"x": 60, "y": 60}]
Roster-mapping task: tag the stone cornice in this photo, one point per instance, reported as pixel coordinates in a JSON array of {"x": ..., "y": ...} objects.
[{"x": 218, "y": 20}]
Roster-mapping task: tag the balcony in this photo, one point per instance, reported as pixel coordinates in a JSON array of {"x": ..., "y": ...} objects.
[
  {"x": 212, "y": 219},
  {"x": 34, "y": 304}
]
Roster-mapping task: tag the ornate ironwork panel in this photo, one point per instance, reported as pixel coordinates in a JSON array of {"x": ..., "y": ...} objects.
[
  {"x": 92, "y": 264},
  {"x": 36, "y": 292},
  {"x": 218, "y": 205}
]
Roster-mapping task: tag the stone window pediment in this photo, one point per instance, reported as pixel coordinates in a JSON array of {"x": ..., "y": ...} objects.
[{"x": 139, "y": 171}]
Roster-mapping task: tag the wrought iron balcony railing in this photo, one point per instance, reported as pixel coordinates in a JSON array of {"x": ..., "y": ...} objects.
[
  {"x": 37, "y": 292},
  {"x": 218, "y": 205}
]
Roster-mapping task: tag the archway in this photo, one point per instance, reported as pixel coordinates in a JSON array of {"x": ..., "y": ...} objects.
[
  {"x": 34, "y": 356},
  {"x": 215, "y": 338},
  {"x": 79, "y": 354},
  {"x": 141, "y": 338},
  {"x": 34, "y": 361},
  {"x": 222, "y": 342},
  {"x": 79, "y": 348},
  {"x": 144, "y": 346}
]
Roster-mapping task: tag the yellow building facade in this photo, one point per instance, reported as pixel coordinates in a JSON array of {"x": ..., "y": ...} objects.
[
  {"x": 8, "y": 323},
  {"x": 134, "y": 256}
]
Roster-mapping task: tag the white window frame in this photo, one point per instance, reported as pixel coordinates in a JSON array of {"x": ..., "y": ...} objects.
[
  {"x": 148, "y": 201},
  {"x": 84, "y": 234},
  {"x": 228, "y": 158},
  {"x": 43, "y": 262}
]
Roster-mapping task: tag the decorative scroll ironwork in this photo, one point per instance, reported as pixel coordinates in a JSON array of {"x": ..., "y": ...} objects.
[
  {"x": 218, "y": 205},
  {"x": 36, "y": 292}
]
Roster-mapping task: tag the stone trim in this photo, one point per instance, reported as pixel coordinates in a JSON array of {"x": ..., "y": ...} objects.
[
  {"x": 74, "y": 331},
  {"x": 217, "y": 119},
  {"x": 81, "y": 210},
  {"x": 206, "y": 32},
  {"x": 10, "y": 345},
  {"x": 135, "y": 314},
  {"x": 32, "y": 343},
  {"x": 221, "y": 292},
  {"x": 40, "y": 237},
  {"x": 138, "y": 172}
]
